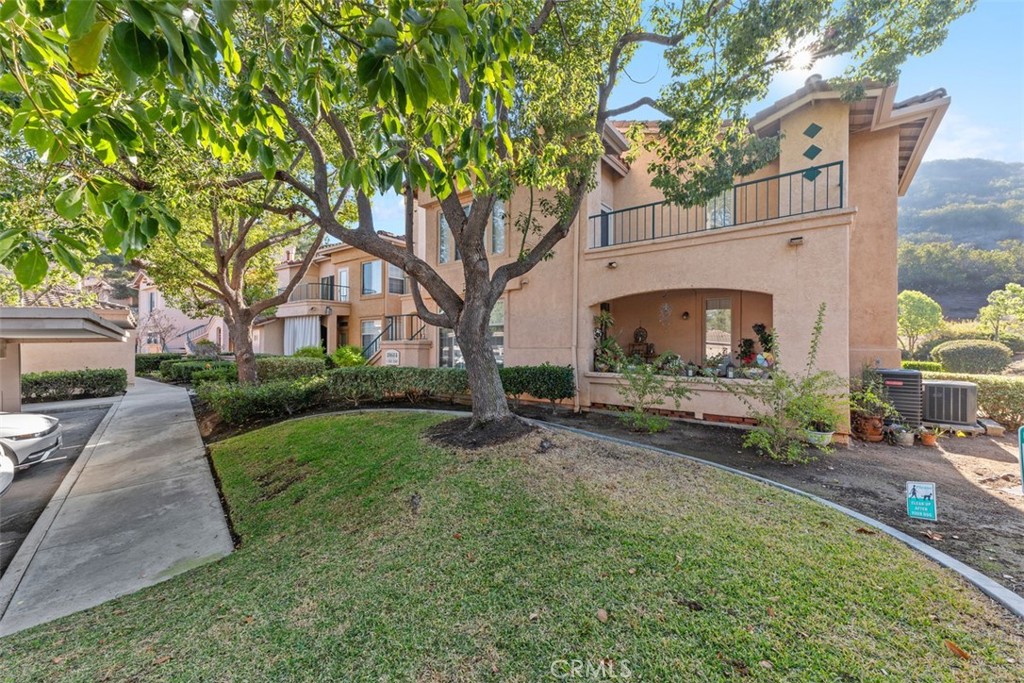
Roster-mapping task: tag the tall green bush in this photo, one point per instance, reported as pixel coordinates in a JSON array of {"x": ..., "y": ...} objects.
[
  {"x": 183, "y": 371},
  {"x": 973, "y": 356},
  {"x": 65, "y": 385},
  {"x": 546, "y": 382},
  {"x": 349, "y": 356}
]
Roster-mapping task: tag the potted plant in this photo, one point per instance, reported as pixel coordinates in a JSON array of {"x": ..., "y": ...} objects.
[
  {"x": 899, "y": 435},
  {"x": 869, "y": 407},
  {"x": 817, "y": 415},
  {"x": 930, "y": 435},
  {"x": 747, "y": 354},
  {"x": 609, "y": 356}
]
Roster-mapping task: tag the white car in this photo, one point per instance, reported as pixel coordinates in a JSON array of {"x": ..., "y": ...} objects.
[{"x": 26, "y": 439}]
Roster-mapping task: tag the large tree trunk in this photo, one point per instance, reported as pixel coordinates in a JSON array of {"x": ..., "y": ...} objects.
[
  {"x": 489, "y": 402},
  {"x": 240, "y": 325}
]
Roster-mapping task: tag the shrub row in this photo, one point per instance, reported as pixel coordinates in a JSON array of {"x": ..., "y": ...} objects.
[
  {"x": 64, "y": 385},
  {"x": 242, "y": 403},
  {"x": 182, "y": 371},
  {"x": 923, "y": 365},
  {"x": 973, "y": 356},
  {"x": 1001, "y": 397},
  {"x": 239, "y": 404},
  {"x": 270, "y": 368},
  {"x": 150, "y": 362}
]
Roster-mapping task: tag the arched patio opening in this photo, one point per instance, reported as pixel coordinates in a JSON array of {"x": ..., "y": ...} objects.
[{"x": 701, "y": 326}]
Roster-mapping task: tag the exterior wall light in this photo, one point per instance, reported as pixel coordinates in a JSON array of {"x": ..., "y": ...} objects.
[
  {"x": 686, "y": 315},
  {"x": 328, "y": 310},
  {"x": 613, "y": 264},
  {"x": 796, "y": 241}
]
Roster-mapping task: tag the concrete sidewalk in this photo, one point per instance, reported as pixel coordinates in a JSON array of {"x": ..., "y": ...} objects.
[{"x": 139, "y": 507}]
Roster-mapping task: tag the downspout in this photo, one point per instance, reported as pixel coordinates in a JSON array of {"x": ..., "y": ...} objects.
[{"x": 575, "y": 309}]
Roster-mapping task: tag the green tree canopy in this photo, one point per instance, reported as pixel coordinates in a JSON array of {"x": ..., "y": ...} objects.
[
  {"x": 918, "y": 315},
  {"x": 441, "y": 97},
  {"x": 1005, "y": 310}
]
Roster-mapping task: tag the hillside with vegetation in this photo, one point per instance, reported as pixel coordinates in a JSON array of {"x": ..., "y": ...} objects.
[
  {"x": 965, "y": 201},
  {"x": 961, "y": 228}
]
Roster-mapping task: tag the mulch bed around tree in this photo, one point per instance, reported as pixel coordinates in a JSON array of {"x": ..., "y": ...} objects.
[{"x": 459, "y": 434}]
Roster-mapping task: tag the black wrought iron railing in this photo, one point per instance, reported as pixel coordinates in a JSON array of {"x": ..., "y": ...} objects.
[
  {"x": 809, "y": 190},
  {"x": 318, "y": 291},
  {"x": 404, "y": 328}
]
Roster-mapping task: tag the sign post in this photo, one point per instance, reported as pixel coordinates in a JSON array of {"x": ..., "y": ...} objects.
[
  {"x": 1020, "y": 454},
  {"x": 921, "y": 500}
]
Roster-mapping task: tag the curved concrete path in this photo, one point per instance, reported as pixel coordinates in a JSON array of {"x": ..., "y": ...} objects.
[{"x": 139, "y": 506}]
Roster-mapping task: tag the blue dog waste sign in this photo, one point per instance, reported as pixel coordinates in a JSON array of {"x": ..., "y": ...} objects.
[{"x": 921, "y": 500}]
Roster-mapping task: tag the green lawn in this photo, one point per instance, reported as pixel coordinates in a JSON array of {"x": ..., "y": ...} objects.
[{"x": 502, "y": 572}]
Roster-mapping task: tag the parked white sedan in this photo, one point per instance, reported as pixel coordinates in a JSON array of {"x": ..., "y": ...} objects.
[{"x": 26, "y": 439}]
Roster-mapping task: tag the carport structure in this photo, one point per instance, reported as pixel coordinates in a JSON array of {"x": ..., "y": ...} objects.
[{"x": 42, "y": 324}]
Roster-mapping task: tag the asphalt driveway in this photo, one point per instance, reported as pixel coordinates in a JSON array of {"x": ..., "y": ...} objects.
[{"x": 34, "y": 486}]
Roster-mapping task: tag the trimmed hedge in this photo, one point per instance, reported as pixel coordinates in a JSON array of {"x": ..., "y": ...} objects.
[
  {"x": 270, "y": 368},
  {"x": 1014, "y": 341},
  {"x": 64, "y": 385},
  {"x": 182, "y": 371},
  {"x": 923, "y": 365},
  {"x": 150, "y": 362},
  {"x": 547, "y": 382},
  {"x": 238, "y": 404},
  {"x": 242, "y": 403},
  {"x": 976, "y": 356},
  {"x": 1001, "y": 397},
  {"x": 373, "y": 383}
]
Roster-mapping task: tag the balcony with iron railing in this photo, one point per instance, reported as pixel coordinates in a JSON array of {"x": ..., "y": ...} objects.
[
  {"x": 788, "y": 195},
  {"x": 318, "y": 291}
]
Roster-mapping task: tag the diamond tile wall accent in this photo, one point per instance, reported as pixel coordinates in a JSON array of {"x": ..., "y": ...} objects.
[
  {"x": 812, "y": 173},
  {"x": 812, "y": 130},
  {"x": 812, "y": 151}
]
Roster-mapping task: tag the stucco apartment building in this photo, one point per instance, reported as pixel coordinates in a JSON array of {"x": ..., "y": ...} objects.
[
  {"x": 163, "y": 327},
  {"x": 347, "y": 297},
  {"x": 817, "y": 225}
]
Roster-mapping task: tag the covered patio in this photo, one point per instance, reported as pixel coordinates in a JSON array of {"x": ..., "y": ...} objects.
[{"x": 35, "y": 325}]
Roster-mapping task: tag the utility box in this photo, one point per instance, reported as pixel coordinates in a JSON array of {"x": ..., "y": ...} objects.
[
  {"x": 903, "y": 389},
  {"x": 949, "y": 402}
]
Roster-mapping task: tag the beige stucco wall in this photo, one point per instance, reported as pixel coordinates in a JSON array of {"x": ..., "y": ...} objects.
[
  {"x": 873, "y": 274},
  {"x": 81, "y": 356},
  {"x": 10, "y": 377},
  {"x": 269, "y": 338}
]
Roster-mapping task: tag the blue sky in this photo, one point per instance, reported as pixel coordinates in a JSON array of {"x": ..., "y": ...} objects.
[{"x": 981, "y": 66}]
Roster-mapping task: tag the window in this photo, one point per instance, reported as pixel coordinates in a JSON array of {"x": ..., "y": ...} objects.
[
  {"x": 342, "y": 284},
  {"x": 327, "y": 288},
  {"x": 372, "y": 278},
  {"x": 498, "y": 228},
  {"x": 717, "y": 327},
  {"x": 451, "y": 354},
  {"x": 446, "y": 241},
  {"x": 152, "y": 301},
  {"x": 370, "y": 330},
  {"x": 396, "y": 280},
  {"x": 607, "y": 235}
]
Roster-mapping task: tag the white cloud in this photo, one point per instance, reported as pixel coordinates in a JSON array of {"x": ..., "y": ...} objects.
[{"x": 958, "y": 138}]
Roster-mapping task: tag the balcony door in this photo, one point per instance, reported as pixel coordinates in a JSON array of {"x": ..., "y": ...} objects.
[
  {"x": 327, "y": 288},
  {"x": 342, "y": 284}
]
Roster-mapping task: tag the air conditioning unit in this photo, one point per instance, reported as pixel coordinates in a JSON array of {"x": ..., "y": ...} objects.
[
  {"x": 903, "y": 389},
  {"x": 954, "y": 403}
]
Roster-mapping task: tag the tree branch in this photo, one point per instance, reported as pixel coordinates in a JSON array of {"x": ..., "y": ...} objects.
[{"x": 643, "y": 101}]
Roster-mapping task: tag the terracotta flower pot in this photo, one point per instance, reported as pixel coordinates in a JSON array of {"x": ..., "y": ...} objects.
[
  {"x": 868, "y": 428},
  {"x": 929, "y": 439}
]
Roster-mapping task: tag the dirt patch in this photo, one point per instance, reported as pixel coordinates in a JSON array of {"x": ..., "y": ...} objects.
[
  {"x": 274, "y": 482},
  {"x": 459, "y": 434},
  {"x": 979, "y": 500}
]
